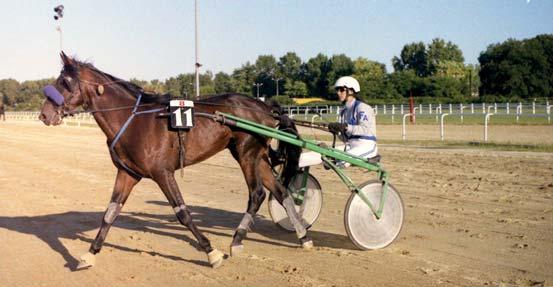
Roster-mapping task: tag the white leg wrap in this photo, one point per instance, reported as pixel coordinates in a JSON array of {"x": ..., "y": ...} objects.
[
  {"x": 111, "y": 213},
  {"x": 288, "y": 204},
  {"x": 247, "y": 220},
  {"x": 179, "y": 208}
]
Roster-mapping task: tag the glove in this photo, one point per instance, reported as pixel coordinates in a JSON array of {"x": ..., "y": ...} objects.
[{"x": 337, "y": 128}]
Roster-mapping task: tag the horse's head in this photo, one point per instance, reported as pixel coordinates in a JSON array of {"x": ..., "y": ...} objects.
[{"x": 65, "y": 95}]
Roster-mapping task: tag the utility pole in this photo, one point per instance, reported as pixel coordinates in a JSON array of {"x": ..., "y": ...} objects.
[
  {"x": 470, "y": 83},
  {"x": 258, "y": 85},
  {"x": 197, "y": 65},
  {"x": 412, "y": 107}
]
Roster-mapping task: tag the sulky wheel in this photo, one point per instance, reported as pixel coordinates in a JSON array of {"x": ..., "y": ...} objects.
[
  {"x": 363, "y": 228},
  {"x": 308, "y": 209}
]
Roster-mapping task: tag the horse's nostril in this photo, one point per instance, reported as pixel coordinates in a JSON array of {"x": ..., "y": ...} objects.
[{"x": 42, "y": 117}]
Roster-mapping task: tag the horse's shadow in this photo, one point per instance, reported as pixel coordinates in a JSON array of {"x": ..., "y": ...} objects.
[
  {"x": 218, "y": 219},
  {"x": 73, "y": 225}
]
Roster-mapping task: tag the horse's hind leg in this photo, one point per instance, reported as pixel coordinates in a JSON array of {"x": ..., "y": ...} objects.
[
  {"x": 282, "y": 196},
  {"x": 123, "y": 186},
  {"x": 167, "y": 183},
  {"x": 249, "y": 164}
]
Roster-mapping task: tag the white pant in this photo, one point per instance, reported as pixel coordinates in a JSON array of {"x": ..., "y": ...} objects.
[{"x": 357, "y": 147}]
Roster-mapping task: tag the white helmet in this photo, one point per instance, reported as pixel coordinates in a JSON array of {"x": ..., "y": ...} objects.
[{"x": 348, "y": 82}]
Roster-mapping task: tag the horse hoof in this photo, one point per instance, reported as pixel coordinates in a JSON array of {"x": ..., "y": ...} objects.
[
  {"x": 215, "y": 258},
  {"x": 307, "y": 245},
  {"x": 236, "y": 250},
  {"x": 87, "y": 260}
]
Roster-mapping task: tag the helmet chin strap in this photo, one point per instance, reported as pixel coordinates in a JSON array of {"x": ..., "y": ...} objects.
[{"x": 348, "y": 94}]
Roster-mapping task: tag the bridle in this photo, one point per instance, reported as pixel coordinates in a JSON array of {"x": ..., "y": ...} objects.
[{"x": 65, "y": 107}]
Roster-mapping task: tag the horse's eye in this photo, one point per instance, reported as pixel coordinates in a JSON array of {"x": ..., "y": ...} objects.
[{"x": 67, "y": 83}]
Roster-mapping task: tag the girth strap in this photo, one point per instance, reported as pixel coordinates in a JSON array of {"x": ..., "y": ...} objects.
[{"x": 182, "y": 150}]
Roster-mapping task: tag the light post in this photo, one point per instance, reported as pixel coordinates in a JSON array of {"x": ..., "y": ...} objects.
[
  {"x": 276, "y": 80},
  {"x": 59, "y": 14},
  {"x": 197, "y": 65},
  {"x": 258, "y": 85}
]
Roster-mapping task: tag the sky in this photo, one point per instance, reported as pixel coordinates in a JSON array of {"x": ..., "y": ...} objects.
[{"x": 155, "y": 39}]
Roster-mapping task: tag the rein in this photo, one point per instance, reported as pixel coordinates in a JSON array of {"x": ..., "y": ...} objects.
[
  {"x": 74, "y": 112},
  {"x": 100, "y": 89},
  {"x": 99, "y": 86}
]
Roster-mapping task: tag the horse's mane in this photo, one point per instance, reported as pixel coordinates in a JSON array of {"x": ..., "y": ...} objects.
[
  {"x": 149, "y": 97},
  {"x": 133, "y": 89}
]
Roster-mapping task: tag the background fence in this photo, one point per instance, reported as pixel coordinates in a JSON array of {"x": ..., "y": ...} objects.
[
  {"x": 394, "y": 113},
  {"x": 430, "y": 119},
  {"x": 435, "y": 117},
  {"x": 77, "y": 120}
]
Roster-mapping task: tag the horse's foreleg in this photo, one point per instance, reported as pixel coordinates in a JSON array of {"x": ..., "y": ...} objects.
[
  {"x": 167, "y": 183},
  {"x": 256, "y": 198},
  {"x": 282, "y": 196},
  {"x": 123, "y": 186}
]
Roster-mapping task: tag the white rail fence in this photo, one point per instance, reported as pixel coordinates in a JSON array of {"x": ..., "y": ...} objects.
[
  {"x": 331, "y": 113},
  {"x": 437, "y": 109},
  {"x": 77, "y": 120},
  {"x": 440, "y": 111}
]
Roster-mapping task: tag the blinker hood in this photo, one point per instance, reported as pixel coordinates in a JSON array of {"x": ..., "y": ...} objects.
[{"x": 53, "y": 94}]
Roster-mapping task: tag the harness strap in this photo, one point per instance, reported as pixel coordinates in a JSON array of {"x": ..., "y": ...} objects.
[
  {"x": 182, "y": 140},
  {"x": 112, "y": 151},
  {"x": 372, "y": 138}
]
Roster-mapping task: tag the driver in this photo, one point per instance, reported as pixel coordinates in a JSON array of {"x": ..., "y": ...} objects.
[{"x": 357, "y": 124}]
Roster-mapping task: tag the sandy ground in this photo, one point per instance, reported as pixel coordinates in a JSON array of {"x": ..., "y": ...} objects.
[{"x": 473, "y": 218}]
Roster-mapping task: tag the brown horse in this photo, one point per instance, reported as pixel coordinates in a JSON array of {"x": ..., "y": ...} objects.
[{"x": 150, "y": 149}]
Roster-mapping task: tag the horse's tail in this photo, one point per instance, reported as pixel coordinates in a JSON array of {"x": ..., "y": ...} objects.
[{"x": 286, "y": 153}]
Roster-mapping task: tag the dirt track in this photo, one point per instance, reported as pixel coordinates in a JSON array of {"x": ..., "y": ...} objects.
[{"x": 473, "y": 218}]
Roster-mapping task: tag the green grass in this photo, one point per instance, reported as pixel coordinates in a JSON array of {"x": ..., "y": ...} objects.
[
  {"x": 472, "y": 144},
  {"x": 477, "y": 119},
  {"x": 454, "y": 144}
]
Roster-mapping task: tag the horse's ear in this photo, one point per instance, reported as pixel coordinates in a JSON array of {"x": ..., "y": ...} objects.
[{"x": 66, "y": 60}]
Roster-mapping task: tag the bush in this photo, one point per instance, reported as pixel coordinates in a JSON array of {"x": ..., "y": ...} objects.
[{"x": 283, "y": 100}]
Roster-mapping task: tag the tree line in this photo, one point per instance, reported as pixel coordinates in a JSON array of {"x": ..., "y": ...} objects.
[{"x": 435, "y": 72}]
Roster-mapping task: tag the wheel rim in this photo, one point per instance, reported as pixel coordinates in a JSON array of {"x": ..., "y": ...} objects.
[
  {"x": 363, "y": 228},
  {"x": 309, "y": 210}
]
